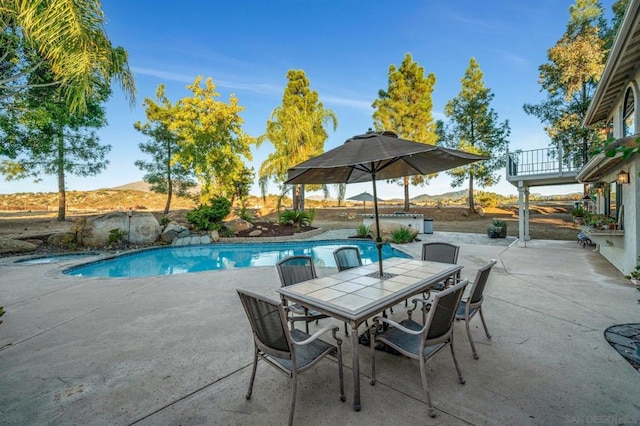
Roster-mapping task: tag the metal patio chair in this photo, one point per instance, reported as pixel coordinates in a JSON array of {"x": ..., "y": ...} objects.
[
  {"x": 422, "y": 342},
  {"x": 441, "y": 252},
  {"x": 288, "y": 350},
  {"x": 473, "y": 304},
  {"x": 438, "y": 252},
  {"x": 294, "y": 270},
  {"x": 347, "y": 258}
]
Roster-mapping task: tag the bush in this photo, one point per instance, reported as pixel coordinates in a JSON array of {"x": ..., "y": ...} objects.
[
  {"x": 245, "y": 214},
  {"x": 116, "y": 235},
  {"x": 499, "y": 223},
  {"x": 210, "y": 217},
  {"x": 577, "y": 212},
  {"x": 403, "y": 235},
  {"x": 363, "y": 231},
  {"x": 296, "y": 217}
]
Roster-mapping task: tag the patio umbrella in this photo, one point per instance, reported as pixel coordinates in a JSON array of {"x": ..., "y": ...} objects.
[
  {"x": 364, "y": 197},
  {"x": 374, "y": 156}
]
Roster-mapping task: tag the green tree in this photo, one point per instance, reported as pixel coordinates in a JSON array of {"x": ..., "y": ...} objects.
[
  {"x": 53, "y": 140},
  {"x": 576, "y": 62},
  {"x": 163, "y": 173},
  {"x": 212, "y": 142},
  {"x": 69, "y": 37},
  {"x": 473, "y": 127},
  {"x": 297, "y": 131},
  {"x": 242, "y": 185},
  {"x": 405, "y": 108}
]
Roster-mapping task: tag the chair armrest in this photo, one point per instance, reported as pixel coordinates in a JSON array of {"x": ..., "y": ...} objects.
[
  {"x": 396, "y": 325},
  {"x": 319, "y": 333},
  {"x": 427, "y": 305}
]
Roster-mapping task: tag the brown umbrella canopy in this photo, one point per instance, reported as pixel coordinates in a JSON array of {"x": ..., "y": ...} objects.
[{"x": 375, "y": 156}]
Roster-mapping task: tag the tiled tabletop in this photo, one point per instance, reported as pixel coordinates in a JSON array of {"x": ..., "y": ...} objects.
[{"x": 352, "y": 295}]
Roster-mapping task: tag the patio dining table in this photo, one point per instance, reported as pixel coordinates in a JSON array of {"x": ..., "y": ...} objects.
[{"x": 357, "y": 294}]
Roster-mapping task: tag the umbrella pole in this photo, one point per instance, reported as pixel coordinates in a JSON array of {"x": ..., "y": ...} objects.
[{"x": 378, "y": 238}]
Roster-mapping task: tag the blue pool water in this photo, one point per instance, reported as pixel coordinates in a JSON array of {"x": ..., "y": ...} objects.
[{"x": 212, "y": 257}]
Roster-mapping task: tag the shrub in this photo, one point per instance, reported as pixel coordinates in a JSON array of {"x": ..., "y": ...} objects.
[
  {"x": 210, "y": 217},
  {"x": 164, "y": 221},
  {"x": 296, "y": 217},
  {"x": 245, "y": 214},
  {"x": 363, "y": 231},
  {"x": 577, "y": 212},
  {"x": 403, "y": 235},
  {"x": 116, "y": 235},
  {"x": 499, "y": 223}
]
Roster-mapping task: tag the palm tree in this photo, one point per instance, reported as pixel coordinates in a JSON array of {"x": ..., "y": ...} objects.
[
  {"x": 70, "y": 36},
  {"x": 297, "y": 135}
]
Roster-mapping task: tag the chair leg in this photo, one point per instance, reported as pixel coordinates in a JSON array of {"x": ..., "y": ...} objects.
[
  {"x": 455, "y": 361},
  {"x": 473, "y": 346},
  {"x": 253, "y": 373},
  {"x": 484, "y": 324},
  {"x": 425, "y": 387},
  {"x": 294, "y": 386}
]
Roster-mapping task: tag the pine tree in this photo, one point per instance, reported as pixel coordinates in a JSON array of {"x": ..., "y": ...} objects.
[
  {"x": 405, "y": 108},
  {"x": 473, "y": 127}
]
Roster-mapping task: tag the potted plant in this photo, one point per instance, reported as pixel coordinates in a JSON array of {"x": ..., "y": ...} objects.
[
  {"x": 494, "y": 231},
  {"x": 578, "y": 215},
  {"x": 502, "y": 226},
  {"x": 634, "y": 275}
]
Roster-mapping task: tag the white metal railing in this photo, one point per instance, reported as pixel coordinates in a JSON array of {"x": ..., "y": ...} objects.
[{"x": 542, "y": 161}]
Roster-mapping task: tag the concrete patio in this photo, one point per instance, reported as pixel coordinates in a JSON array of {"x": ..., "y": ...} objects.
[{"x": 178, "y": 350}]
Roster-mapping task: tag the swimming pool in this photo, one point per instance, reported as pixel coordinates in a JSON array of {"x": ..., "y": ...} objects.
[{"x": 212, "y": 257}]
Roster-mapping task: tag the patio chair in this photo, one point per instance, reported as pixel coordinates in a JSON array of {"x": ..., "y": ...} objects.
[
  {"x": 473, "y": 304},
  {"x": 290, "y": 351},
  {"x": 439, "y": 252},
  {"x": 347, "y": 258},
  {"x": 422, "y": 342},
  {"x": 294, "y": 270}
]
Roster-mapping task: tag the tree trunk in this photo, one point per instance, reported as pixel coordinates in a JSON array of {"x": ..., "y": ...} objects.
[
  {"x": 406, "y": 194},
  {"x": 301, "y": 198},
  {"x": 472, "y": 203},
  {"x": 169, "y": 181},
  {"x": 167, "y": 206},
  {"x": 62, "y": 194},
  {"x": 294, "y": 197}
]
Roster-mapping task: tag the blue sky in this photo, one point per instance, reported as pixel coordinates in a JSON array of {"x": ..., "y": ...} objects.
[{"x": 345, "y": 49}]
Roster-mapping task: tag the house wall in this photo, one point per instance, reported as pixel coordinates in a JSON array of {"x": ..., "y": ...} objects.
[{"x": 623, "y": 252}]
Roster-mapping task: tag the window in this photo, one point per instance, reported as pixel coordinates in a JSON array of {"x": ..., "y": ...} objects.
[
  {"x": 628, "y": 123},
  {"x": 613, "y": 200}
]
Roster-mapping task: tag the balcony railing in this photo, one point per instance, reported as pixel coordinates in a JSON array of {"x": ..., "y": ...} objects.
[{"x": 543, "y": 161}]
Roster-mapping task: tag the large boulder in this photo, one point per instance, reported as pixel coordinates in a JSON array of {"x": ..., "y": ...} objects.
[
  {"x": 7, "y": 245},
  {"x": 62, "y": 239},
  {"x": 171, "y": 232},
  {"x": 237, "y": 225},
  {"x": 143, "y": 228}
]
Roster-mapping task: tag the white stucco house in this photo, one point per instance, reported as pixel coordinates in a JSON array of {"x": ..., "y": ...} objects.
[
  {"x": 615, "y": 181},
  {"x": 615, "y": 105}
]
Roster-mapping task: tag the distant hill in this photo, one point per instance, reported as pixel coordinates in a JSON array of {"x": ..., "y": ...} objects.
[
  {"x": 134, "y": 186},
  {"x": 447, "y": 196}
]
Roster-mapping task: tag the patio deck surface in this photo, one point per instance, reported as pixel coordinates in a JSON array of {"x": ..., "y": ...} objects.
[{"x": 178, "y": 350}]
